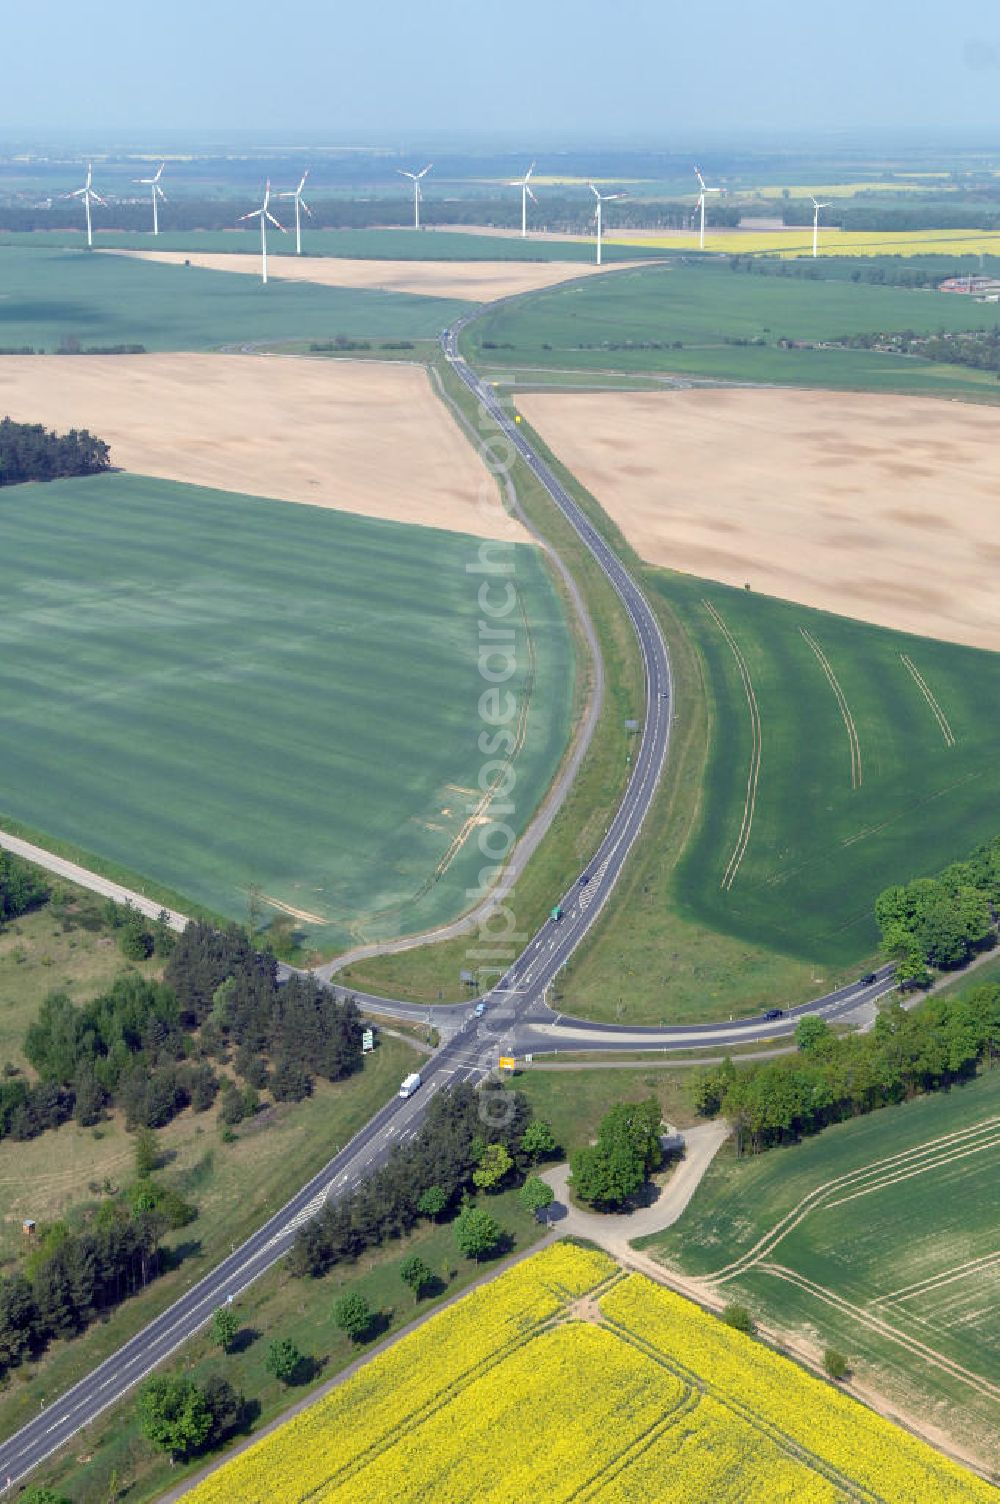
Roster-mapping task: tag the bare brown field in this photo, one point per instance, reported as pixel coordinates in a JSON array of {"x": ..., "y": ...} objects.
[
  {"x": 365, "y": 437},
  {"x": 476, "y": 281},
  {"x": 877, "y": 507}
]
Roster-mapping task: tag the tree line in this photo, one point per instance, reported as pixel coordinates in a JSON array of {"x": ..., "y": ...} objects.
[
  {"x": 556, "y": 212},
  {"x": 28, "y": 451},
  {"x": 454, "y": 1151},
  {"x": 941, "y": 921},
  {"x": 147, "y": 1047},
  {"x": 835, "y": 1077},
  {"x": 75, "y": 1274}
]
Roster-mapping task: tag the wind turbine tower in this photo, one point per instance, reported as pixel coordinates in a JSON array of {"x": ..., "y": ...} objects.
[
  {"x": 816, "y": 208},
  {"x": 417, "y": 195},
  {"x": 263, "y": 214},
  {"x": 296, "y": 194},
  {"x": 89, "y": 195},
  {"x": 701, "y": 207},
  {"x": 526, "y": 193},
  {"x": 156, "y": 193},
  {"x": 602, "y": 198}
]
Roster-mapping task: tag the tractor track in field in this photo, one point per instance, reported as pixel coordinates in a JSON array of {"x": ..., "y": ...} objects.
[
  {"x": 845, "y": 710},
  {"x": 867, "y": 1318},
  {"x": 756, "y": 747},
  {"x": 918, "y": 1159},
  {"x": 943, "y": 723}
]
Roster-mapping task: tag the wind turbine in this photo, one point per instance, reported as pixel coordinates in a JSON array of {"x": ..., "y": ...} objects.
[
  {"x": 417, "y": 195},
  {"x": 816, "y": 208},
  {"x": 263, "y": 214},
  {"x": 89, "y": 195},
  {"x": 526, "y": 193},
  {"x": 701, "y": 206},
  {"x": 156, "y": 193},
  {"x": 602, "y": 198},
  {"x": 296, "y": 194}
]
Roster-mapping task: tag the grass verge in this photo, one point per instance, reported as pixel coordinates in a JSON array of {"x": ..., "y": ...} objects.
[{"x": 111, "y": 1459}]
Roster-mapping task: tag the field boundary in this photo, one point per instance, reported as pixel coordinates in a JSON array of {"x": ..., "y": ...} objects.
[
  {"x": 925, "y": 690},
  {"x": 848, "y": 719},
  {"x": 756, "y": 748}
]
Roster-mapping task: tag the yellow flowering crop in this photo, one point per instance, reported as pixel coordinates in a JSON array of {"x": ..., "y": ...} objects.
[
  {"x": 516, "y": 1394},
  {"x": 832, "y": 242},
  {"x": 788, "y": 1404}
]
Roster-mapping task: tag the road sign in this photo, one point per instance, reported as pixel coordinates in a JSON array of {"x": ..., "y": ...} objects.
[
  {"x": 507, "y": 1062},
  {"x": 368, "y": 1041}
]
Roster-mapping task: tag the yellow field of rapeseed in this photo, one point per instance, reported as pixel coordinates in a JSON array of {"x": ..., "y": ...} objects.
[
  {"x": 527, "y": 1390},
  {"x": 798, "y": 242}
]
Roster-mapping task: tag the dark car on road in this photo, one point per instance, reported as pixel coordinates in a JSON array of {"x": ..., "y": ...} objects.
[
  {"x": 868, "y": 978},
  {"x": 773, "y": 1013}
]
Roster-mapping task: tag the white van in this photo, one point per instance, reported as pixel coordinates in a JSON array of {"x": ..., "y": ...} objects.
[{"x": 410, "y": 1085}]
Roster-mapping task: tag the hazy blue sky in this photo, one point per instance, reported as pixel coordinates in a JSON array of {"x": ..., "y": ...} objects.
[{"x": 391, "y": 70}]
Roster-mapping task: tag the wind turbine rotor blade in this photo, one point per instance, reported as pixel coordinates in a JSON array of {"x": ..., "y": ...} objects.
[
  {"x": 701, "y": 180},
  {"x": 276, "y": 223},
  {"x": 159, "y": 170},
  {"x": 530, "y": 170},
  {"x": 254, "y": 213},
  {"x": 404, "y": 174},
  {"x": 159, "y": 192},
  {"x": 90, "y": 174},
  {"x": 306, "y": 207},
  {"x": 425, "y": 170},
  {"x": 530, "y": 193},
  {"x": 98, "y": 199},
  {"x": 595, "y": 192},
  {"x": 302, "y": 182}
]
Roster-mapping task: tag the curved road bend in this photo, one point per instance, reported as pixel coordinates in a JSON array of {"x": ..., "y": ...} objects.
[{"x": 468, "y": 1056}]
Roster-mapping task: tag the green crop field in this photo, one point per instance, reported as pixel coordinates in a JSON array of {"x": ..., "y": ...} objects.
[
  {"x": 215, "y": 691},
  {"x": 363, "y": 245},
  {"x": 804, "y": 820},
  {"x": 878, "y": 1237},
  {"x": 605, "y": 323},
  {"x": 47, "y": 296}
]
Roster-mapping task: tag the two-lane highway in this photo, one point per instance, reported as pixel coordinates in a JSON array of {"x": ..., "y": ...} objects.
[
  {"x": 469, "y": 1055},
  {"x": 516, "y": 1013}
]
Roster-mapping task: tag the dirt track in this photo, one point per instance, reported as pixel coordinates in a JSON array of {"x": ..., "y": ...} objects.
[
  {"x": 370, "y": 438},
  {"x": 477, "y": 281},
  {"x": 881, "y": 508}
]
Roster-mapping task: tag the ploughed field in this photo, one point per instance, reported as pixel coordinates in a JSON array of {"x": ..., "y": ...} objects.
[
  {"x": 479, "y": 281},
  {"x": 220, "y": 693},
  {"x": 360, "y": 436},
  {"x": 566, "y": 1380},
  {"x": 879, "y": 507},
  {"x": 878, "y": 1237}
]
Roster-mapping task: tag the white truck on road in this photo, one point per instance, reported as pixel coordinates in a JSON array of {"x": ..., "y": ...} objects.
[{"x": 410, "y": 1085}]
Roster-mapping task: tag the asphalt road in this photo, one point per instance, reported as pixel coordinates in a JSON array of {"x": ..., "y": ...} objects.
[{"x": 516, "y": 1019}]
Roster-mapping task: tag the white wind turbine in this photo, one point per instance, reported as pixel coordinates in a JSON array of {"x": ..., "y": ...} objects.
[
  {"x": 816, "y": 208},
  {"x": 602, "y": 198},
  {"x": 89, "y": 196},
  {"x": 263, "y": 214},
  {"x": 296, "y": 194},
  {"x": 701, "y": 207},
  {"x": 417, "y": 195},
  {"x": 526, "y": 193},
  {"x": 156, "y": 193}
]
